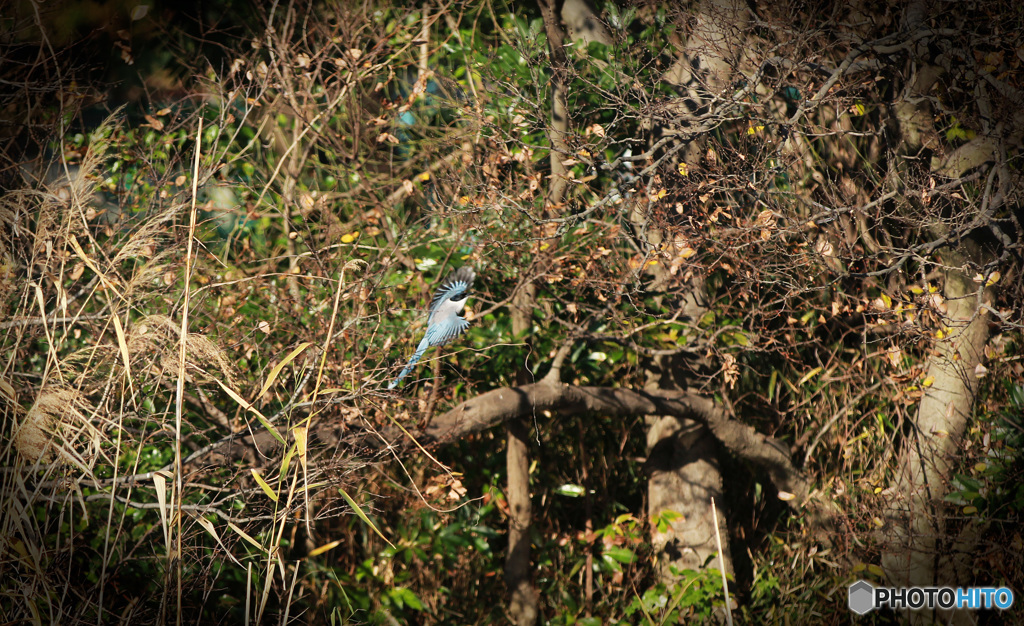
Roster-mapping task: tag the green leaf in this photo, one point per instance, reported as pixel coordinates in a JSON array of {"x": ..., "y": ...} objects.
[
  {"x": 620, "y": 554},
  {"x": 570, "y": 490},
  {"x": 280, "y": 366},
  {"x": 407, "y": 597},
  {"x": 259, "y": 416},
  {"x": 665, "y": 518},
  {"x": 362, "y": 516}
]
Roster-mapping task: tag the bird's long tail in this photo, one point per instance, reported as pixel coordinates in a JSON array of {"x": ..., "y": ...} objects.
[{"x": 412, "y": 362}]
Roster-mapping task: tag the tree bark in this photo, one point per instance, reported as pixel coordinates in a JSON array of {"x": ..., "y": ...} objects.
[
  {"x": 683, "y": 463},
  {"x": 583, "y": 24},
  {"x": 919, "y": 548},
  {"x": 684, "y": 476},
  {"x": 916, "y": 533},
  {"x": 523, "y": 598}
]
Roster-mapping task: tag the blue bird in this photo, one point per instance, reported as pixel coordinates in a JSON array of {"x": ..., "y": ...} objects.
[{"x": 444, "y": 323}]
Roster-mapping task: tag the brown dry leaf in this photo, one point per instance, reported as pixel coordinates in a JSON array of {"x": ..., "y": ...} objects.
[
  {"x": 155, "y": 123},
  {"x": 765, "y": 218},
  {"x": 730, "y": 371},
  {"x": 895, "y": 355}
]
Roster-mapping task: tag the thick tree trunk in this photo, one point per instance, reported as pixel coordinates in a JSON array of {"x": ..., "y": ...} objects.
[
  {"x": 919, "y": 548},
  {"x": 523, "y": 600},
  {"x": 684, "y": 476},
  {"x": 917, "y": 540},
  {"x": 524, "y": 603},
  {"x": 683, "y": 461}
]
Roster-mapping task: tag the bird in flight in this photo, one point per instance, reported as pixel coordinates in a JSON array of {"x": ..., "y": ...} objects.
[{"x": 444, "y": 322}]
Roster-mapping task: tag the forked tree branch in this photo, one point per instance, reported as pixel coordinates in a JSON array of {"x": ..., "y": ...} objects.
[{"x": 500, "y": 405}]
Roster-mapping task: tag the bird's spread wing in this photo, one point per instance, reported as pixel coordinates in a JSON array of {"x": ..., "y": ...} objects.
[
  {"x": 444, "y": 323},
  {"x": 455, "y": 287},
  {"x": 443, "y": 331}
]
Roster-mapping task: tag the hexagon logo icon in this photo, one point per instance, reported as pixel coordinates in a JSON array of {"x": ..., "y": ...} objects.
[{"x": 861, "y": 597}]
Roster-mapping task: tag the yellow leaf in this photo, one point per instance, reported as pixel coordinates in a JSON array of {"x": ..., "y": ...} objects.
[
  {"x": 7, "y": 390},
  {"x": 683, "y": 170},
  {"x": 325, "y": 548},
  {"x": 299, "y": 432},
  {"x": 244, "y": 535},
  {"x": 993, "y": 278},
  {"x": 927, "y": 382},
  {"x": 687, "y": 252},
  {"x": 350, "y": 237},
  {"x": 263, "y": 484},
  {"x": 753, "y": 130},
  {"x": 122, "y": 344},
  {"x": 939, "y": 334},
  {"x": 424, "y": 177},
  {"x": 874, "y": 569},
  {"x": 808, "y": 376},
  {"x": 970, "y": 510},
  {"x": 286, "y": 461}
]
